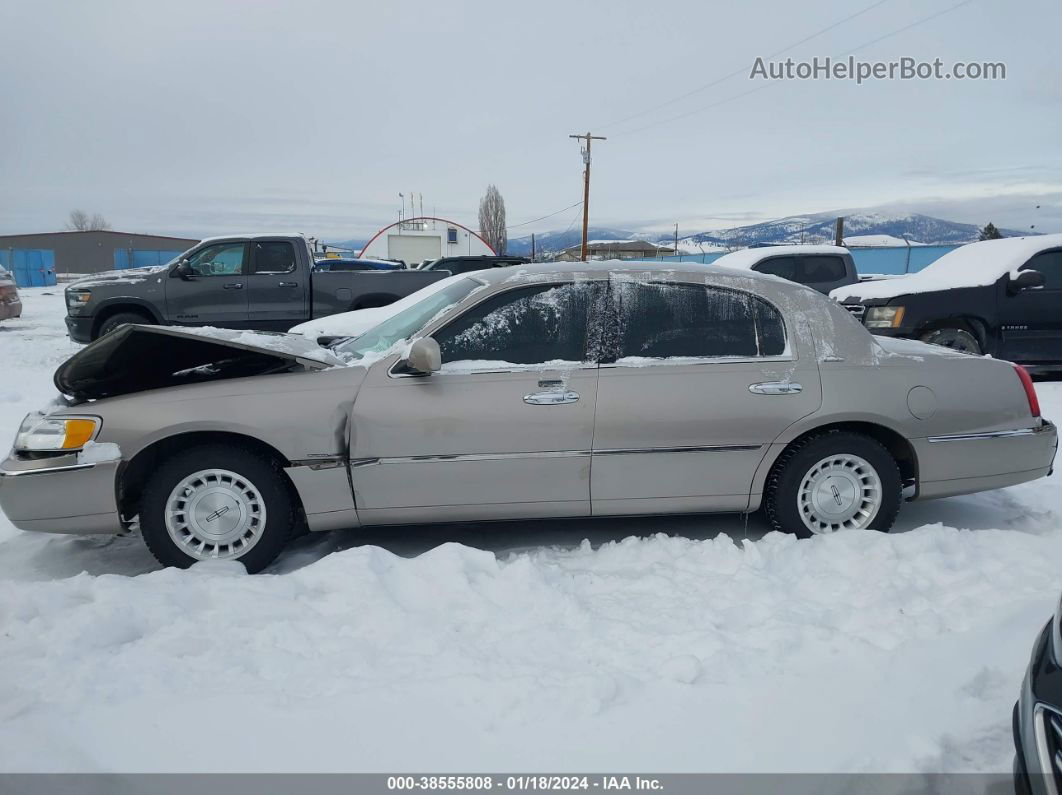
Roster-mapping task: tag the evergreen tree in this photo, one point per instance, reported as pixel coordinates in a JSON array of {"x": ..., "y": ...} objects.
[{"x": 989, "y": 232}]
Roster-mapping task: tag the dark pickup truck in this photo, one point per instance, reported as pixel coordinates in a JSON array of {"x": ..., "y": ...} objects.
[{"x": 261, "y": 282}]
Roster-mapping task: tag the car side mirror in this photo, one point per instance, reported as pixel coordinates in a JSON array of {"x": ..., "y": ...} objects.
[
  {"x": 424, "y": 356},
  {"x": 1026, "y": 280},
  {"x": 183, "y": 269}
]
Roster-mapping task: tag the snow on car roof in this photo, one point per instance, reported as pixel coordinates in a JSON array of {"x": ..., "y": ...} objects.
[
  {"x": 746, "y": 258},
  {"x": 972, "y": 265}
]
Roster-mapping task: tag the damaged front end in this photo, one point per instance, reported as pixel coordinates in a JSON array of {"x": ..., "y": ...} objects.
[{"x": 137, "y": 358}]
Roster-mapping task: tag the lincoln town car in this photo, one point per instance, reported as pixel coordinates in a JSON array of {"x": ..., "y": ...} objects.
[{"x": 535, "y": 391}]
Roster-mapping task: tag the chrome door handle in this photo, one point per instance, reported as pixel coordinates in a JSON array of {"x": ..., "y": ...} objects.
[
  {"x": 233, "y": 286},
  {"x": 552, "y": 398},
  {"x": 287, "y": 284},
  {"x": 776, "y": 388}
]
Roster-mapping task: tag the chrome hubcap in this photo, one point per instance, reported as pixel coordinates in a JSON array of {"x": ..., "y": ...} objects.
[
  {"x": 215, "y": 514},
  {"x": 840, "y": 492}
]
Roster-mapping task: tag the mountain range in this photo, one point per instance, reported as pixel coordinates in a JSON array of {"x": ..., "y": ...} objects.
[{"x": 816, "y": 228}]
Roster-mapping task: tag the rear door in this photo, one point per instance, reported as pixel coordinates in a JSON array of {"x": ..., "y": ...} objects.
[
  {"x": 215, "y": 293},
  {"x": 703, "y": 379},
  {"x": 1031, "y": 320},
  {"x": 277, "y": 288}
]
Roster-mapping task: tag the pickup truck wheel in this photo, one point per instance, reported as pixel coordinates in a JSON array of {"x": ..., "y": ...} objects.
[
  {"x": 217, "y": 502},
  {"x": 833, "y": 481},
  {"x": 119, "y": 319},
  {"x": 958, "y": 339}
]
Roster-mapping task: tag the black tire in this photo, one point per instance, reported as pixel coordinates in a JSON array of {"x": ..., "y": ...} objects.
[
  {"x": 781, "y": 501},
  {"x": 120, "y": 319},
  {"x": 954, "y": 337},
  {"x": 263, "y": 473}
]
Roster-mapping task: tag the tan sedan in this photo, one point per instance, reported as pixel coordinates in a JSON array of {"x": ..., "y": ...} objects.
[{"x": 517, "y": 393}]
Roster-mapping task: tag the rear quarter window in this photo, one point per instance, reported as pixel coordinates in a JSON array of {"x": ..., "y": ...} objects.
[{"x": 816, "y": 269}]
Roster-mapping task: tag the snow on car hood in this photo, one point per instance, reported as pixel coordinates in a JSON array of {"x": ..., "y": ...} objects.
[
  {"x": 137, "y": 358},
  {"x": 125, "y": 276},
  {"x": 972, "y": 265}
]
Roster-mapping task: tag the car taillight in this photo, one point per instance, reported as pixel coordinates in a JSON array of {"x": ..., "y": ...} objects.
[{"x": 1030, "y": 390}]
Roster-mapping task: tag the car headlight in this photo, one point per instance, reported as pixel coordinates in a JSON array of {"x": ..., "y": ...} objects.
[
  {"x": 77, "y": 298},
  {"x": 40, "y": 434},
  {"x": 884, "y": 317}
]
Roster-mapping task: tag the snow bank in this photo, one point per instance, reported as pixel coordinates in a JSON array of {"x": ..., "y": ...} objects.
[
  {"x": 670, "y": 653},
  {"x": 972, "y": 265}
]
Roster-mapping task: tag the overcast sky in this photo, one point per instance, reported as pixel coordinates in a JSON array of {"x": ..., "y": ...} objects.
[{"x": 196, "y": 118}]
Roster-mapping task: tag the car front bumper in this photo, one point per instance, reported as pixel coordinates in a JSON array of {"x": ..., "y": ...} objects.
[
  {"x": 79, "y": 327},
  {"x": 60, "y": 495},
  {"x": 1036, "y": 744}
]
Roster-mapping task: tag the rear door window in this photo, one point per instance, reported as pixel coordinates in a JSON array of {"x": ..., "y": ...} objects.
[
  {"x": 816, "y": 269},
  {"x": 274, "y": 256},
  {"x": 683, "y": 321}
]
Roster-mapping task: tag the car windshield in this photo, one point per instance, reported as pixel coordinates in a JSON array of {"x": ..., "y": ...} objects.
[{"x": 408, "y": 322}]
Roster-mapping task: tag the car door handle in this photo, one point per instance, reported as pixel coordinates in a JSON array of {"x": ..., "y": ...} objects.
[
  {"x": 287, "y": 284},
  {"x": 776, "y": 388},
  {"x": 233, "y": 286},
  {"x": 551, "y": 398}
]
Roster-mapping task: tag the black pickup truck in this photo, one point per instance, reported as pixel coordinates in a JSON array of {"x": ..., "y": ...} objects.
[{"x": 262, "y": 282}]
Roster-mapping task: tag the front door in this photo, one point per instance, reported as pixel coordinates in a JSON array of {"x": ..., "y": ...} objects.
[
  {"x": 703, "y": 379},
  {"x": 1031, "y": 320},
  {"x": 214, "y": 293},
  {"x": 278, "y": 295},
  {"x": 503, "y": 431}
]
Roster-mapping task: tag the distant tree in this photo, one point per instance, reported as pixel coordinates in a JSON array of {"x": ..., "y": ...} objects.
[
  {"x": 492, "y": 219},
  {"x": 989, "y": 232},
  {"x": 81, "y": 221}
]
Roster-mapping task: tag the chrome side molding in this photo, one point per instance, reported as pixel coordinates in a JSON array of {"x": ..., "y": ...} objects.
[{"x": 974, "y": 437}]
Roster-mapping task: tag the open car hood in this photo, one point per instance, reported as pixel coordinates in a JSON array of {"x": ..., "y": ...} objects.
[{"x": 136, "y": 358}]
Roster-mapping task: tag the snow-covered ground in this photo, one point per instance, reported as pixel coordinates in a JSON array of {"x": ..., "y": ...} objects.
[{"x": 667, "y": 644}]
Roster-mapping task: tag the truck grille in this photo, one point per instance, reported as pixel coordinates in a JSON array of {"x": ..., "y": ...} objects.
[{"x": 857, "y": 310}]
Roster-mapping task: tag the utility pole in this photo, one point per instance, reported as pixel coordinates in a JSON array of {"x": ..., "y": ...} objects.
[
  {"x": 532, "y": 246},
  {"x": 586, "y": 183},
  {"x": 676, "y": 251},
  {"x": 838, "y": 232}
]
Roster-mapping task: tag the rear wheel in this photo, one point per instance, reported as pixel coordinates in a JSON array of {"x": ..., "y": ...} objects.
[
  {"x": 958, "y": 339},
  {"x": 120, "y": 319},
  {"x": 834, "y": 481},
  {"x": 217, "y": 502}
]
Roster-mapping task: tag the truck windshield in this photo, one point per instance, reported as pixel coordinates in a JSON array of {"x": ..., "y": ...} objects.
[{"x": 408, "y": 321}]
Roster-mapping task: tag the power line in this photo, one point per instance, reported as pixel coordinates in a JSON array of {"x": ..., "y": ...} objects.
[
  {"x": 862, "y": 46},
  {"x": 743, "y": 70},
  {"x": 544, "y": 217}
]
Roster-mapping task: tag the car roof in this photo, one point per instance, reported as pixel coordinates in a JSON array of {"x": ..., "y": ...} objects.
[
  {"x": 748, "y": 257},
  {"x": 603, "y": 269}
]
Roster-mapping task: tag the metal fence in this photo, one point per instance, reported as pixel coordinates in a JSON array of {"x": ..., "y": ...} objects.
[{"x": 31, "y": 267}]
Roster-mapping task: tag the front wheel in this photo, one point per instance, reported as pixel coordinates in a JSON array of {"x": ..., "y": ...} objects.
[
  {"x": 833, "y": 481},
  {"x": 216, "y": 502},
  {"x": 958, "y": 339},
  {"x": 118, "y": 320}
]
